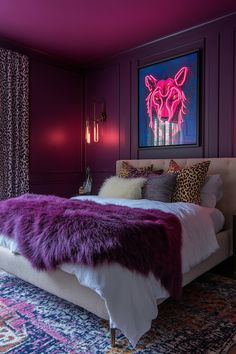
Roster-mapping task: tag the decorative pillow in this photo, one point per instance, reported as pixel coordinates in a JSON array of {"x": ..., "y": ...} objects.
[
  {"x": 212, "y": 191},
  {"x": 127, "y": 171},
  {"x": 160, "y": 188},
  {"x": 173, "y": 167},
  {"x": 118, "y": 187},
  {"x": 189, "y": 181}
]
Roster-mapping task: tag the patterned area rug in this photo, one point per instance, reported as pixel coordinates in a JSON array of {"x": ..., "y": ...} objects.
[{"x": 33, "y": 321}]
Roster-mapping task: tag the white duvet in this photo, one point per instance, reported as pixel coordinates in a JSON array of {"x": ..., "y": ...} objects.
[{"x": 131, "y": 298}]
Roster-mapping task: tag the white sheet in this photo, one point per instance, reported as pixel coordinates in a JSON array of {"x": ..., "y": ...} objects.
[
  {"x": 130, "y": 297},
  {"x": 217, "y": 218}
]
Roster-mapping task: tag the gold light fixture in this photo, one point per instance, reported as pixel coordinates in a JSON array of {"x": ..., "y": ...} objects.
[
  {"x": 95, "y": 125},
  {"x": 97, "y": 120}
]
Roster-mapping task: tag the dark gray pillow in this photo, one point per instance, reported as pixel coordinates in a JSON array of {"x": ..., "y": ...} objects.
[{"x": 160, "y": 187}]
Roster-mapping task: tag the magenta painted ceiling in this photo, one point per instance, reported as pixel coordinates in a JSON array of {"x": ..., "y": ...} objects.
[{"x": 88, "y": 30}]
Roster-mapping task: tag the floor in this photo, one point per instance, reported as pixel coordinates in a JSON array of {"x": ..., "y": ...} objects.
[{"x": 226, "y": 269}]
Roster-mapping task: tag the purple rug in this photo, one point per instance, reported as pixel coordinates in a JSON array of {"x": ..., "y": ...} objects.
[{"x": 34, "y": 321}]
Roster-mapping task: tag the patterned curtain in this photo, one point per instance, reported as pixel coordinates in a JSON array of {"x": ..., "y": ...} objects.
[{"x": 14, "y": 124}]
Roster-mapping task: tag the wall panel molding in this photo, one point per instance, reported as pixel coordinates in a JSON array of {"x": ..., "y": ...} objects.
[
  {"x": 226, "y": 92},
  {"x": 125, "y": 107},
  {"x": 56, "y": 112},
  {"x": 211, "y": 99},
  {"x": 104, "y": 84},
  {"x": 217, "y": 43}
]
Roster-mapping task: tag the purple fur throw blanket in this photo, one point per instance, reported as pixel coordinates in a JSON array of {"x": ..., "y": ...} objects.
[{"x": 51, "y": 230}]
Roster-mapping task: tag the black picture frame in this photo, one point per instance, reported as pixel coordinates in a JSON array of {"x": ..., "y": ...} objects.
[{"x": 168, "y": 102}]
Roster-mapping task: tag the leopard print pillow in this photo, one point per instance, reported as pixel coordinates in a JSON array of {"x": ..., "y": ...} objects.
[
  {"x": 173, "y": 167},
  {"x": 128, "y": 171},
  {"x": 189, "y": 181}
]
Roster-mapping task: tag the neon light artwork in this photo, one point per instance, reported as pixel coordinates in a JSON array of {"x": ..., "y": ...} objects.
[{"x": 166, "y": 105}]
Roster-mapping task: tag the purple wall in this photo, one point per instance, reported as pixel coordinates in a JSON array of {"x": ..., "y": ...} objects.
[
  {"x": 116, "y": 82},
  {"x": 56, "y": 149},
  {"x": 101, "y": 156},
  {"x": 56, "y": 123},
  {"x": 59, "y": 99}
]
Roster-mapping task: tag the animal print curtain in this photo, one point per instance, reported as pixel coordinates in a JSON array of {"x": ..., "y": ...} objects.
[{"x": 14, "y": 124}]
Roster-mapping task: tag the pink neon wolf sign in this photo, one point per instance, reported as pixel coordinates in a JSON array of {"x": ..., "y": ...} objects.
[{"x": 166, "y": 99}]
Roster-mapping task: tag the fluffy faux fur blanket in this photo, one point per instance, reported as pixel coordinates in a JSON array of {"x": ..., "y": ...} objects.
[{"x": 51, "y": 230}]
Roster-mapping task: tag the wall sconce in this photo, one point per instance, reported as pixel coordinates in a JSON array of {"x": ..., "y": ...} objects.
[{"x": 97, "y": 120}]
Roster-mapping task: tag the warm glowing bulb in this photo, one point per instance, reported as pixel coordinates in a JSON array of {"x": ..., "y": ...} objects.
[
  {"x": 87, "y": 133},
  {"x": 95, "y": 132}
]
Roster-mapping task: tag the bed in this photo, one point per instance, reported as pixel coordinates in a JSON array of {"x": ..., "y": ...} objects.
[{"x": 65, "y": 284}]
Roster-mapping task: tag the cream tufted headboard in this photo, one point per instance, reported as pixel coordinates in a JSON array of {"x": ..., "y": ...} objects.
[{"x": 226, "y": 167}]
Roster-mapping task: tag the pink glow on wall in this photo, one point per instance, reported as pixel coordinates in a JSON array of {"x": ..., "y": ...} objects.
[
  {"x": 111, "y": 138},
  {"x": 167, "y": 99},
  {"x": 56, "y": 137}
]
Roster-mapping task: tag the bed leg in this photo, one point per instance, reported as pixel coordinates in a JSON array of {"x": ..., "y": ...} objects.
[{"x": 113, "y": 337}]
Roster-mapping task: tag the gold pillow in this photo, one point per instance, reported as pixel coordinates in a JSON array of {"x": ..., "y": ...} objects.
[{"x": 189, "y": 181}]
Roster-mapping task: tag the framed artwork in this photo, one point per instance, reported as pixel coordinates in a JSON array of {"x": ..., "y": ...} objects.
[{"x": 169, "y": 102}]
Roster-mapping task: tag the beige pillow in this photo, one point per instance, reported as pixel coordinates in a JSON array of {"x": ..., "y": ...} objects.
[{"x": 118, "y": 187}]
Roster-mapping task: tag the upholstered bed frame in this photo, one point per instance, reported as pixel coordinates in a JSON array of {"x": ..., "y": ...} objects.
[{"x": 67, "y": 286}]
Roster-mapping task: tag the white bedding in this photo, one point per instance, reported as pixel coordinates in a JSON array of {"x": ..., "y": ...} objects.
[{"x": 130, "y": 297}]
